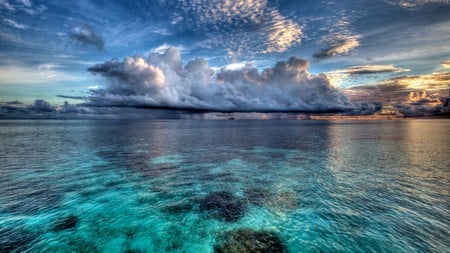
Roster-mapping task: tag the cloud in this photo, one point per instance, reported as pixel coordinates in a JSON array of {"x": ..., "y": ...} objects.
[
  {"x": 41, "y": 105},
  {"x": 34, "y": 11},
  {"x": 14, "y": 24},
  {"x": 369, "y": 69},
  {"x": 26, "y": 3},
  {"x": 343, "y": 45},
  {"x": 355, "y": 75},
  {"x": 42, "y": 109},
  {"x": 424, "y": 104},
  {"x": 4, "y": 4},
  {"x": 72, "y": 97},
  {"x": 44, "y": 73},
  {"x": 434, "y": 81},
  {"x": 161, "y": 81},
  {"x": 409, "y": 4},
  {"x": 412, "y": 96},
  {"x": 85, "y": 35},
  {"x": 257, "y": 25},
  {"x": 445, "y": 64}
]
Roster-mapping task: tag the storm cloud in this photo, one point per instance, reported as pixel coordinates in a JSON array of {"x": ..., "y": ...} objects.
[
  {"x": 161, "y": 81},
  {"x": 86, "y": 36}
]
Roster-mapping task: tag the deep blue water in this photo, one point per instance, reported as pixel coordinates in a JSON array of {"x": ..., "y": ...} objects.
[{"x": 183, "y": 186}]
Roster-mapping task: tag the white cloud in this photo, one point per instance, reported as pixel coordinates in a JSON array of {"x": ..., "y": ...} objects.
[
  {"x": 15, "y": 24},
  {"x": 415, "y": 3},
  {"x": 445, "y": 64},
  {"x": 160, "y": 80},
  {"x": 260, "y": 27},
  {"x": 343, "y": 45},
  {"x": 26, "y": 3},
  {"x": 369, "y": 69},
  {"x": 364, "y": 74},
  {"x": 6, "y": 5}
]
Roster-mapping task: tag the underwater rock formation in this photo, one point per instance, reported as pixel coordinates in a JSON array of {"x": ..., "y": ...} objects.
[
  {"x": 249, "y": 241},
  {"x": 224, "y": 206},
  {"x": 65, "y": 223}
]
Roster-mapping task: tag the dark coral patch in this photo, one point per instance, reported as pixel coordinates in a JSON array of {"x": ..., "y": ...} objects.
[
  {"x": 65, "y": 223},
  {"x": 223, "y": 206},
  {"x": 249, "y": 241}
]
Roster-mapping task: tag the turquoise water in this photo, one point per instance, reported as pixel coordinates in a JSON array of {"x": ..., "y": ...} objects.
[{"x": 187, "y": 186}]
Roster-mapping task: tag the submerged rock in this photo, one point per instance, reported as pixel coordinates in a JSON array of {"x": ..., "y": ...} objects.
[
  {"x": 249, "y": 241},
  {"x": 224, "y": 206},
  {"x": 15, "y": 239},
  {"x": 65, "y": 223}
]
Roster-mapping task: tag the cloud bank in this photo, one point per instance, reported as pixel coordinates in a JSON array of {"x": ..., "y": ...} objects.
[
  {"x": 85, "y": 35},
  {"x": 161, "y": 81},
  {"x": 411, "y": 96}
]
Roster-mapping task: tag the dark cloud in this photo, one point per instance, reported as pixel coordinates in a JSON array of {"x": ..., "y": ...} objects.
[
  {"x": 41, "y": 105},
  {"x": 160, "y": 81},
  {"x": 15, "y": 102},
  {"x": 86, "y": 35},
  {"x": 42, "y": 109},
  {"x": 72, "y": 97}
]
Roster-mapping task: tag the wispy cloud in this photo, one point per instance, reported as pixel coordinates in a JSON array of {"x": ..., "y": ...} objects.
[
  {"x": 15, "y": 24},
  {"x": 364, "y": 74},
  {"x": 410, "y": 4},
  {"x": 339, "y": 37},
  {"x": 86, "y": 35},
  {"x": 445, "y": 64},
  {"x": 44, "y": 73},
  {"x": 343, "y": 45},
  {"x": 26, "y": 3},
  {"x": 369, "y": 69},
  {"x": 430, "y": 82},
  {"x": 257, "y": 25},
  {"x": 6, "y": 5}
]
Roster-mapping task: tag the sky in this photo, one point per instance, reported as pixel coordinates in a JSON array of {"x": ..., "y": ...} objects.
[{"x": 305, "y": 56}]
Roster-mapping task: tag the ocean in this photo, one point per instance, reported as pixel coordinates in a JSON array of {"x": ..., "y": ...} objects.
[{"x": 224, "y": 186}]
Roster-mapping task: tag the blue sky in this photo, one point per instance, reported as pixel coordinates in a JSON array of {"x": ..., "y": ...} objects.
[{"x": 47, "y": 47}]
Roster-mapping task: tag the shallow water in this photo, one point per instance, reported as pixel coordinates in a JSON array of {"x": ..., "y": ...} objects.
[{"x": 143, "y": 186}]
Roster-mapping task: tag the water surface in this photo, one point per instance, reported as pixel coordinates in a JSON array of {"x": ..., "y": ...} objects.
[{"x": 144, "y": 186}]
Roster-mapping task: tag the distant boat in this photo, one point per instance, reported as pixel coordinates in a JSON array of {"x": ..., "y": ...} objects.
[{"x": 231, "y": 118}]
